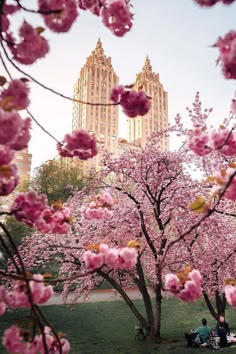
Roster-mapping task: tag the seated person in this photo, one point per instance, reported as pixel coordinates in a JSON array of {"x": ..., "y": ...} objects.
[
  {"x": 200, "y": 335},
  {"x": 224, "y": 324},
  {"x": 222, "y": 333}
]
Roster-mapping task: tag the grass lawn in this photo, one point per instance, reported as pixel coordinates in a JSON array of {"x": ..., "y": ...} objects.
[{"x": 108, "y": 327}]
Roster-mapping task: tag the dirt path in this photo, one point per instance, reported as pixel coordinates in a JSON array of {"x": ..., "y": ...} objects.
[{"x": 99, "y": 296}]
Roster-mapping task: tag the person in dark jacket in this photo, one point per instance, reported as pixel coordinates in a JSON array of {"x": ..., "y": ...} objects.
[
  {"x": 222, "y": 333},
  {"x": 224, "y": 324}
]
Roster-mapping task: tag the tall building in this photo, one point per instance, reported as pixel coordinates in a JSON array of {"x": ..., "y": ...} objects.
[
  {"x": 96, "y": 79},
  {"x": 140, "y": 128}
]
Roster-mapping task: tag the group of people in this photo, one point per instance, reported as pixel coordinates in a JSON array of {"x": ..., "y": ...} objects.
[{"x": 204, "y": 335}]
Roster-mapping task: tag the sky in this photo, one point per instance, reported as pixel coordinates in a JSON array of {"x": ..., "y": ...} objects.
[{"x": 177, "y": 35}]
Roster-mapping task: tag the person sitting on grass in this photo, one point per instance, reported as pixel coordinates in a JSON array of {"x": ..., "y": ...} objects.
[
  {"x": 222, "y": 333},
  {"x": 200, "y": 336},
  {"x": 224, "y": 324}
]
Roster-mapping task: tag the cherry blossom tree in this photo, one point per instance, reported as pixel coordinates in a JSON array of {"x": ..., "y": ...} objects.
[
  {"x": 146, "y": 206},
  {"x": 151, "y": 192}
]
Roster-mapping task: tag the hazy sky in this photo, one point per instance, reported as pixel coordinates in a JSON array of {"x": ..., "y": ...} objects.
[{"x": 177, "y": 36}]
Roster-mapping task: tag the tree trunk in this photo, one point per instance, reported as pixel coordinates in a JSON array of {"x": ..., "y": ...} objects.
[
  {"x": 157, "y": 332},
  {"x": 210, "y": 306},
  {"x": 220, "y": 305},
  {"x": 131, "y": 305},
  {"x": 141, "y": 283}
]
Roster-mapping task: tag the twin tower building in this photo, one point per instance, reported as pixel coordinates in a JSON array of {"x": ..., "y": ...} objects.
[{"x": 96, "y": 80}]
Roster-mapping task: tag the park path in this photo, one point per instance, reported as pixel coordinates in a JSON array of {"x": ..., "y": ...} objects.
[{"x": 98, "y": 296}]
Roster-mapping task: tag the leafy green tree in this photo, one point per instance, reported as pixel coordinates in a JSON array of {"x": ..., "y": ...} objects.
[{"x": 56, "y": 179}]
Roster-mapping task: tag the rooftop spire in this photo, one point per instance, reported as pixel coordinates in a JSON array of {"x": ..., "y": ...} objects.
[
  {"x": 99, "y": 43},
  {"x": 147, "y": 61},
  {"x": 147, "y": 64}
]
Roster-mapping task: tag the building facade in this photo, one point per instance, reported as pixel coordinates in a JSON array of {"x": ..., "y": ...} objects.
[
  {"x": 156, "y": 120},
  {"x": 96, "y": 79}
]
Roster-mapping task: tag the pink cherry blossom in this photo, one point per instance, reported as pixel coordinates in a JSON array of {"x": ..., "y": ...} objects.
[
  {"x": 127, "y": 258},
  {"x": 105, "y": 198},
  {"x": 53, "y": 345},
  {"x": 227, "y": 57},
  {"x": 23, "y": 137},
  {"x": 64, "y": 16},
  {"x": 233, "y": 106},
  {"x": 221, "y": 179},
  {"x": 188, "y": 289},
  {"x": 134, "y": 103},
  {"x": 198, "y": 142},
  {"x": 32, "y": 209},
  {"x": 89, "y": 4},
  {"x": 209, "y": 3},
  {"x": 15, "y": 96},
  {"x": 54, "y": 221},
  {"x": 111, "y": 258},
  {"x": 19, "y": 295},
  {"x": 80, "y": 144},
  {"x": 230, "y": 294},
  {"x": 206, "y": 2},
  {"x": 172, "y": 283},
  {"x": 6, "y": 155},
  {"x": 13, "y": 341},
  {"x": 93, "y": 260},
  {"x": 7, "y": 10},
  {"x": 28, "y": 207},
  {"x": 190, "y": 292},
  {"x": 31, "y": 46},
  {"x": 99, "y": 208},
  {"x": 117, "y": 17},
  {"x": 8, "y": 179},
  {"x": 123, "y": 258},
  {"x": 11, "y": 124},
  {"x": 224, "y": 141},
  {"x": 17, "y": 340}
]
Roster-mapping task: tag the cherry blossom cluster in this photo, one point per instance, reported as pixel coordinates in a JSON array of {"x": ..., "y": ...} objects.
[
  {"x": 203, "y": 143},
  {"x": 100, "y": 208},
  {"x": 221, "y": 178},
  {"x": 134, "y": 103},
  {"x": 30, "y": 46},
  {"x": 116, "y": 16},
  {"x": 14, "y": 132},
  {"x": 59, "y": 16},
  {"x": 185, "y": 285},
  {"x": 230, "y": 294},
  {"x": 80, "y": 144},
  {"x": 227, "y": 57},
  {"x": 117, "y": 258},
  {"x": 32, "y": 209},
  {"x": 19, "y": 295},
  {"x": 209, "y": 3},
  {"x": 18, "y": 340}
]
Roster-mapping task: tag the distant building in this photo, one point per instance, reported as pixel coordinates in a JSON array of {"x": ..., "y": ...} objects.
[
  {"x": 97, "y": 77},
  {"x": 140, "y": 128},
  {"x": 23, "y": 162}
]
